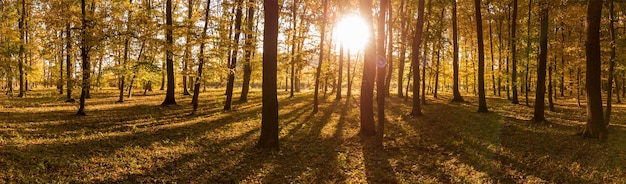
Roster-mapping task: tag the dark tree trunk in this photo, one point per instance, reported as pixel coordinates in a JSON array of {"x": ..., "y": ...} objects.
[
  {"x": 68, "y": 64},
  {"x": 321, "y": 58},
  {"x": 294, "y": 42},
  {"x": 493, "y": 75},
  {"x": 248, "y": 46},
  {"x": 455, "y": 56},
  {"x": 403, "y": 36},
  {"x": 84, "y": 53},
  {"x": 389, "y": 47},
  {"x": 135, "y": 70},
  {"x": 196, "y": 88},
  {"x": 368, "y": 128},
  {"x": 122, "y": 75},
  {"x": 340, "y": 73},
  {"x": 513, "y": 30},
  {"x": 169, "y": 44},
  {"x": 482, "y": 103},
  {"x": 595, "y": 127},
  {"x": 22, "y": 53},
  {"x": 528, "y": 49},
  {"x": 609, "y": 97},
  {"x": 381, "y": 89},
  {"x": 551, "y": 90},
  {"x": 269, "y": 122},
  {"x": 61, "y": 65},
  {"x": 539, "y": 114},
  {"x": 349, "y": 65},
  {"x": 187, "y": 55},
  {"x": 233, "y": 60},
  {"x": 417, "y": 42}
]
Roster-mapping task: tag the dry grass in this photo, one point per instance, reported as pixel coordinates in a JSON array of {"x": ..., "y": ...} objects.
[{"x": 42, "y": 140}]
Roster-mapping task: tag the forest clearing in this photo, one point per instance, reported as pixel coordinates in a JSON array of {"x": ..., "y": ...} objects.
[{"x": 136, "y": 141}]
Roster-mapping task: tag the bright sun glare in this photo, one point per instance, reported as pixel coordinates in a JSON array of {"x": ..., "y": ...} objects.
[{"x": 352, "y": 32}]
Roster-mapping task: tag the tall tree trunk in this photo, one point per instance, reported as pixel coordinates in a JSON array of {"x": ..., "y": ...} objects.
[
  {"x": 233, "y": 60},
  {"x": 501, "y": 45},
  {"x": 349, "y": 65},
  {"x": 84, "y": 53},
  {"x": 563, "y": 62},
  {"x": 482, "y": 103},
  {"x": 551, "y": 90},
  {"x": 528, "y": 49},
  {"x": 340, "y": 73},
  {"x": 22, "y": 53},
  {"x": 595, "y": 127},
  {"x": 513, "y": 30},
  {"x": 136, "y": 69},
  {"x": 294, "y": 42},
  {"x": 68, "y": 63},
  {"x": 541, "y": 69},
  {"x": 417, "y": 42},
  {"x": 455, "y": 56},
  {"x": 368, "y": 128},
  {"x": 169, "y": 47},
  {"x": 321, "y": 58},
  {"x": 187, "y": 55},
  {"x": 196, "y": 88},
  {"x": 269, "y": 122},
  {"x": 61, "y": 64},
  {"x": 248, "y": 46},
  {"x": 381, "y": 89},
  {"x": 493, "y": 75},
  {"x": 403, "y": 36},
  {"x": 389, "y": 47},
  {"x": 123, "y": 74},
  {"x": 609, "y": 97}
]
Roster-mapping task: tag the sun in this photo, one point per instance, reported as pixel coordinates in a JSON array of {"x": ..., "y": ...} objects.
[{"x": 352, "y": 32}]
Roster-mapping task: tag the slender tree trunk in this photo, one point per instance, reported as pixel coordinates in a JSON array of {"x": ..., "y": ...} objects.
[
  {"x": 321, "y": 58},
  {"x": 455, "y": 56},
  {"x": 381, "y": 89},
  {"x": 493, "y": 75},
  {"x": 417, "y": 40},
  {"x": 482, "y": 103},
  {"x": 389, "y": 47},
  {"x": 294, "y": 42},
  {"x": 169, "y": 44},
  {"x": 403, "y": 36},
  {"x": 349, "y": 90},
  {"x": 609, "y": 97},
  {"x": 528, "y": 49},
  {"x": 248, "y": 46},
  {"x": 368, "y": 128},
  {"x": 563, "y": 62},
  {"x": 135, "y": 70},
  {"x": 514, "y": 99},
  {"x": 340, "y": 73},
  {"x": 68, "y": 63},
  {"x": 551, "y": 90},
  {"x": 501, "y": 45},
  {"x": 61, "y": 65},
  {"x": 437, "y": 68},
  {"x": 187, "y": 55},
  {"x": 269, "y": 122},
  {"x": 196, "y": 88},
  {"x": 84, "y": 52},
  {"x": 123, "y": 75},
  {"x": 539, "y": 114},
  {"x": 578, "y": 92},
  {"x": 22, "y": 53},
  {"x": 233, "y": 59}
]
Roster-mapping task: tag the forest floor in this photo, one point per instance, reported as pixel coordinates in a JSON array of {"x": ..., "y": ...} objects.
[{"x": 41, "y": 140}]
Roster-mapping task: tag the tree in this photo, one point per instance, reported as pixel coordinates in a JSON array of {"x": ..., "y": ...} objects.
[
  {"x": 169, "y": 61},
  {"x": 233, "y": 60},
  {"x": 514, "y": 99},
  {"x": 607, "y": 115},
  {"x": 68, "y": 64},
  {"x": 417, "y": 42},
  {"x": 595, "y": 127},
  {"x": 85, "y": 47},
  {"x": 22, "y": 53},
  {"x": 321, "y": 57},
  {"x": 381, "y": 89},
  {"x": 187, "y": 55},
  {"x": 403, "y": 36},
  {"x": 249, "y": 49},
  {"x": 455, "y": 56},
  {"x": 541, "y": 70},
  {"x": 368, "y": 127},
  {"x": 482, "y": 103},
  {"x": 196, "y": 88},
  {"x": 269, "y": 122}
]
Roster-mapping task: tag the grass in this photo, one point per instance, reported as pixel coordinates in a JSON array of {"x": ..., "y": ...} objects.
[{"x": 41, "y": 140}]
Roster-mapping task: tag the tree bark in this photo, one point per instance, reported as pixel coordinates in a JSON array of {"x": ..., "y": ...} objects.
[
  {"x": 455, "y": 56},
  {"x": 248, "y": 47},
  {"x": 169, "y": 61},
  {"x": 321, "y": 58},
  {"x": 595, "y": 127},
  {"x": 84, "y": 53},
  {"x": 607, "y": 115},
  {"x": 368, "y": 127},
  {"x": 514, "y": 99},
  {"x": 233, "y": 60},
  {"x": 269, "y": 122},
  {"x": 196, "y": 88},
  {"x": 403, "y": 36},
  {"x": 482, "y": 103},
  {"x": 539, "y": 114},
  {"x": 22, "y": 53},
  {"x": 417, "y": 40}
]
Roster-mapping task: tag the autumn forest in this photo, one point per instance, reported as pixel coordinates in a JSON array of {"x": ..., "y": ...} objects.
[{"x": 324, "y": 91}]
